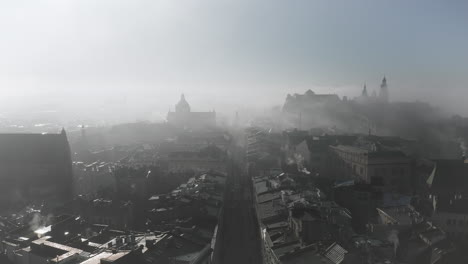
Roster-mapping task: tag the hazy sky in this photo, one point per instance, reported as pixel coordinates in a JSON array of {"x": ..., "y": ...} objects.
[{"x": 138, "y": 56}]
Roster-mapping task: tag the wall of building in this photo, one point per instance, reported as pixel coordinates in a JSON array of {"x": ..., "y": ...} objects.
[
  {"x": 455, "y": 225},
  {"x": 392, "y": 173}
]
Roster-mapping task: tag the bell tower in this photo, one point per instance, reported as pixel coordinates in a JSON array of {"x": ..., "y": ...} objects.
[{"x": 383, "y": 95}]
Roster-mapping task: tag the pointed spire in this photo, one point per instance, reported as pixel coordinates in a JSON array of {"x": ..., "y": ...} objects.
[
  {"x": 364, "y": 91},
  {"x": 384, "y": 90},
  {"x": 384, "y": 81}
]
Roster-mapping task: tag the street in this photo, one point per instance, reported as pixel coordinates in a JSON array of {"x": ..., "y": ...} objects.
[{"x": 238, "y": 238}]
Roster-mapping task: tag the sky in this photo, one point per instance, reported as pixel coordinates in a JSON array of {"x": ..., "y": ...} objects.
[{"x": 132, "y": 59}]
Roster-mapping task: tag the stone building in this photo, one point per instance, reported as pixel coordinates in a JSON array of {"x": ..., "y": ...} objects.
[
  {"x": 388, "y": 169},
  {"x": 184, "y": 117}
]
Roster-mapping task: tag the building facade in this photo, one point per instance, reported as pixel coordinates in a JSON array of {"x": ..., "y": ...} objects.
[
  {"x": 34, "y": 167},
  {"x": 184, "y": 117},
  {"x": 388, "y": 169}
]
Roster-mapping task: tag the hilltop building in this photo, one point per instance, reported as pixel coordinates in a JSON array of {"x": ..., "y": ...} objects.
[
  {"x": 184, "y": 117},
  {"x": 383, "y": 95},
  {"x": 298, "y": 103}
]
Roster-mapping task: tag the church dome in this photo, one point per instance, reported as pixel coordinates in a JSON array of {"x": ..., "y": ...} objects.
[{"x": 182, "y": 105}]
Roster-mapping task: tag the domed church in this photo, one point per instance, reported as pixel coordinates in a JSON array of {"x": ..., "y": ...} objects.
[{"x": 184, "y": 117}]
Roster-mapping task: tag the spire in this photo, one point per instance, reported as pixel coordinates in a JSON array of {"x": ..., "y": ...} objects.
[
  {"x": 364, "y": 91},
  {"x": 384, "y": 82},
  {"x": 384, "y": 95}
]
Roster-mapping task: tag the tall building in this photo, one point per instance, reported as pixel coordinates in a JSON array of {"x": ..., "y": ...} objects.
[
  {"x": 184, "y": 117},
  {"x": 383, "y": 95},
  {"x": 34, "y": 167}
]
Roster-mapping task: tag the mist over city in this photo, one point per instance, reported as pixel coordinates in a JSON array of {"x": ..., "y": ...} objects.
[{"x": 218, "y": 132}]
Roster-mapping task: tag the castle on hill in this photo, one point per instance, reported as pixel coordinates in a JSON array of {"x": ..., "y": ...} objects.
[
  {"x": 310, "y": 101},
  {"x": 383, "y": 95}
]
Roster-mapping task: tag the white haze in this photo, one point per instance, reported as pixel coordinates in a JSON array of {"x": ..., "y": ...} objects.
[{"x": 131, "y": 60}]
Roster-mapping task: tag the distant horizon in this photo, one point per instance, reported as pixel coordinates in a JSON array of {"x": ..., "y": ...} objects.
[
  {"x": 148, "y": 114},
  {"x": 132, "y": 59}
]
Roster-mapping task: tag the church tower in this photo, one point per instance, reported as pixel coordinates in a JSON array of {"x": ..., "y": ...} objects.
[
  {"x": 182, "y": 106},
  {"x": 364, "y": 91},
  {"x": 383, "y": 95}
]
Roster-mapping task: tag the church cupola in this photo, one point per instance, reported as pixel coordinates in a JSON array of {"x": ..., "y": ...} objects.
[
  {"x": 383, "y": 95},
  {"x": 182, "y": 106}
]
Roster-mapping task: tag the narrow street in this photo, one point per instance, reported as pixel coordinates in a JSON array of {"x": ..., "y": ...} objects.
[{"x": 238, "y": 239}]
